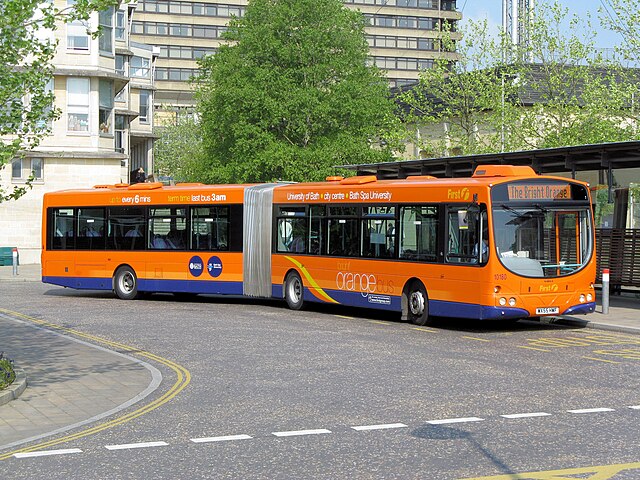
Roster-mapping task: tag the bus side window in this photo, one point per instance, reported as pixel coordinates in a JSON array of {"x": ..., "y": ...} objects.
[
  {"x": 126, "y": 228},
  {"x": 419, "y": 230},
  {"x": 63, "y": 229},
  {"x": 90, "y": 228},
  {"x": 462, "y": 235},
  {"x": 292, "y": 232}
]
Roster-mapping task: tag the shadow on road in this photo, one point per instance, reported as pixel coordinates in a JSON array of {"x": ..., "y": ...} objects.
[{"x": 440, "y": 432}]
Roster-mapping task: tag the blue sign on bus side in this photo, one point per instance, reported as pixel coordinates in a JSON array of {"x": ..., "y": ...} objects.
[
  {"x": 214, "y": 266},
  {"x": 196, "y": 266}
]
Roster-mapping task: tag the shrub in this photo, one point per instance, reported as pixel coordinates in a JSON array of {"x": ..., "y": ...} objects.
[{"x": 7, "y": 374}]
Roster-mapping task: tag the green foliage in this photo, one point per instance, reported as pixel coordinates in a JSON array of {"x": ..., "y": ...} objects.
[
  {"x": 580, "y": 97},
  {"x": 7, "y": 374},
  {"x": 25, "y": 70},
  {"x": 623, "y": 17},
  {"x": 554, "y": 91},
  {"x": 291, "y": 95},
  {"x": 455, "y": 97},
  {"x": 178, "y": 153}
]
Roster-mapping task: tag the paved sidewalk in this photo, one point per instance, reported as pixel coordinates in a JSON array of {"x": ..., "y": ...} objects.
[{"x": 70, "y": 382}]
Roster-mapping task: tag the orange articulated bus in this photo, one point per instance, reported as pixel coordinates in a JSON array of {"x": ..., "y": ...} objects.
[{"x": 503, "y": 244}]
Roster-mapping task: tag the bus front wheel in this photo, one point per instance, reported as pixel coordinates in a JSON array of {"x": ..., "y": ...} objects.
[
  {"x": 125, "y": 283},
  {"x": 294, "y": 291},
  {"x": 418, "y": 303}
]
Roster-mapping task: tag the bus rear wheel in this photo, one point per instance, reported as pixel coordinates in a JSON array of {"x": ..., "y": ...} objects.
[
  {"x": 418, "y": 304},
  {"x": 294, "y": 291},
  {"x": 125, "y": 283}
]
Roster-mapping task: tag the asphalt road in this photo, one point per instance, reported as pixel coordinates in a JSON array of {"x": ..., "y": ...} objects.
[{"x": 329, "y": 393}]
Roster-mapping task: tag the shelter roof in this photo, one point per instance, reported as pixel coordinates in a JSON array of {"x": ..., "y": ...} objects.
[{"x": 600, "y": 156}]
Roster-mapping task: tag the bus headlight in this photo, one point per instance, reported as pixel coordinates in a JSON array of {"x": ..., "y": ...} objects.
[
  {"x": 502, "y": 301},
  {"x": 582, "y": 298},
  {"x": 589, "y": 297},
  {"x": 512, "y": 302}
]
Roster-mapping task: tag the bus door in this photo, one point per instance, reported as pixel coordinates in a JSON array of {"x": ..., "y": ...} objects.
[{"x": 467, "y": 237}]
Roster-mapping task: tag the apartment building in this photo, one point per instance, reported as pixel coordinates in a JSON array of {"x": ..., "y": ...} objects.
[
  {"x": 403, "y": 36},
  {"x": 104, "y": 88}
]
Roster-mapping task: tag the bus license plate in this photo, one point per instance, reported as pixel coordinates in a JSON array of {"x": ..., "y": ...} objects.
[{"x": 547, "y": 310}]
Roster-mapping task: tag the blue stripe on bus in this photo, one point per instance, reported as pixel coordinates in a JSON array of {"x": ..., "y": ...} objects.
[
  {"x": 356, "y": 299},
  {"x": 581, "y": 309},
  {"x": 441, "y": 308},
  {"x": 154, "y": 285},
  {"x": 80, "y": 282},
  {"x": 437, "y": 308},
  {"x": 190, "y": 286}
]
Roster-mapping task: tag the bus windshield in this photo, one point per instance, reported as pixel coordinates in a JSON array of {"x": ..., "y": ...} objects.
[{"x": 537, "y": 240}]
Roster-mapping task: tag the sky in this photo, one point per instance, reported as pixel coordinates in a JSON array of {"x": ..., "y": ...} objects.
[{"x": 492, "y": 11}]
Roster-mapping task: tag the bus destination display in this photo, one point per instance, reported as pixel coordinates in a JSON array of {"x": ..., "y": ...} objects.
[{"x": 539, "y": 192}]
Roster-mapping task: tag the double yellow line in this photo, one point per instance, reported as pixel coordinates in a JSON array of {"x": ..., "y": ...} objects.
[{"x": 183, "y": 379}]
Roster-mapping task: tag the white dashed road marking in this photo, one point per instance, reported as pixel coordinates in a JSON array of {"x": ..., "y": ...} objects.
[
  {"x": 320, "y": 431},
  {"x": 126, "y": 446},
  {"x": 526, "y": 415},
  {"x": 46, "y": 453},
  {"x": 226, "y": 438},
  {"x": 296, "y": 433},
  {"x": 592, "y": 410},
  {"x": 455, "y": 420},
  {"x": 379, "y": 427}
]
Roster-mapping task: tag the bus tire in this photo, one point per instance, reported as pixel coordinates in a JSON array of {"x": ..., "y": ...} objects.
[
  {"x": 294, "y": 291},
  {"x": 125, "y": 283},
  {"x": 418, "y": 304}
]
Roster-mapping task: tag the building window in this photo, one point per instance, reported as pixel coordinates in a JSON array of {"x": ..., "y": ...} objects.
[
  {"x": 145, "y": 107},
  {"x": 23, "y": 168},
  {"x": 121, "y": 30},
  {"x": 78, "y": 104},
  {"x": 137, "y": 28},
  {"x": 36, "y": 167},
  {"x": 77, "y": 36},
  {"x": 120, "y": 133},
  {"x": 121, "y": 65},
  {"x": 175, "y": 74},
  {"x": 106, "y": 106},
  {"x": 106, "y": 35},
  {"x": 140, "y": 67},
  {"x": 46, "y": 121},
  {"x": 16, "y": 169}
]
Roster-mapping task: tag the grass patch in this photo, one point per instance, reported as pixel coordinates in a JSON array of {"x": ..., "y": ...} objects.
[{"x": 7, "y": 374}]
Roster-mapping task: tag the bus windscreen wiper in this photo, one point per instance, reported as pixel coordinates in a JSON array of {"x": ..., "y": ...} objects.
[{"x": 513, "y": 210}]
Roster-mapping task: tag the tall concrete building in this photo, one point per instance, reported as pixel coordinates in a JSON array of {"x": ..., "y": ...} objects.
[{"x": 403, "y": 36}]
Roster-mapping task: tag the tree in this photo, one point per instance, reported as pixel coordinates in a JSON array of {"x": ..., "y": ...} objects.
[
  {"x": 178, "y": 152},
  {"x": 292, "y": 94},
  {"x": 572, "y": 94},
  {"x": 26, "y": 52},
  {"x": 457, "y": 99},
  {"x": 553, "y": 91},
  {"x": 623, "y": 17}
]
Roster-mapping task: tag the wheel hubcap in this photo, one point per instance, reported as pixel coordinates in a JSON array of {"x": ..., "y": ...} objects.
[
  {"x": 416, "y": 303},
  {"x": 127, "y": 283},
  {"x": 295, "y": 290}
]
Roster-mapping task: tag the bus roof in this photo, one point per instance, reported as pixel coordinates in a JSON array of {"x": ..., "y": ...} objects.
[{"x": 157, "y": 193}]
